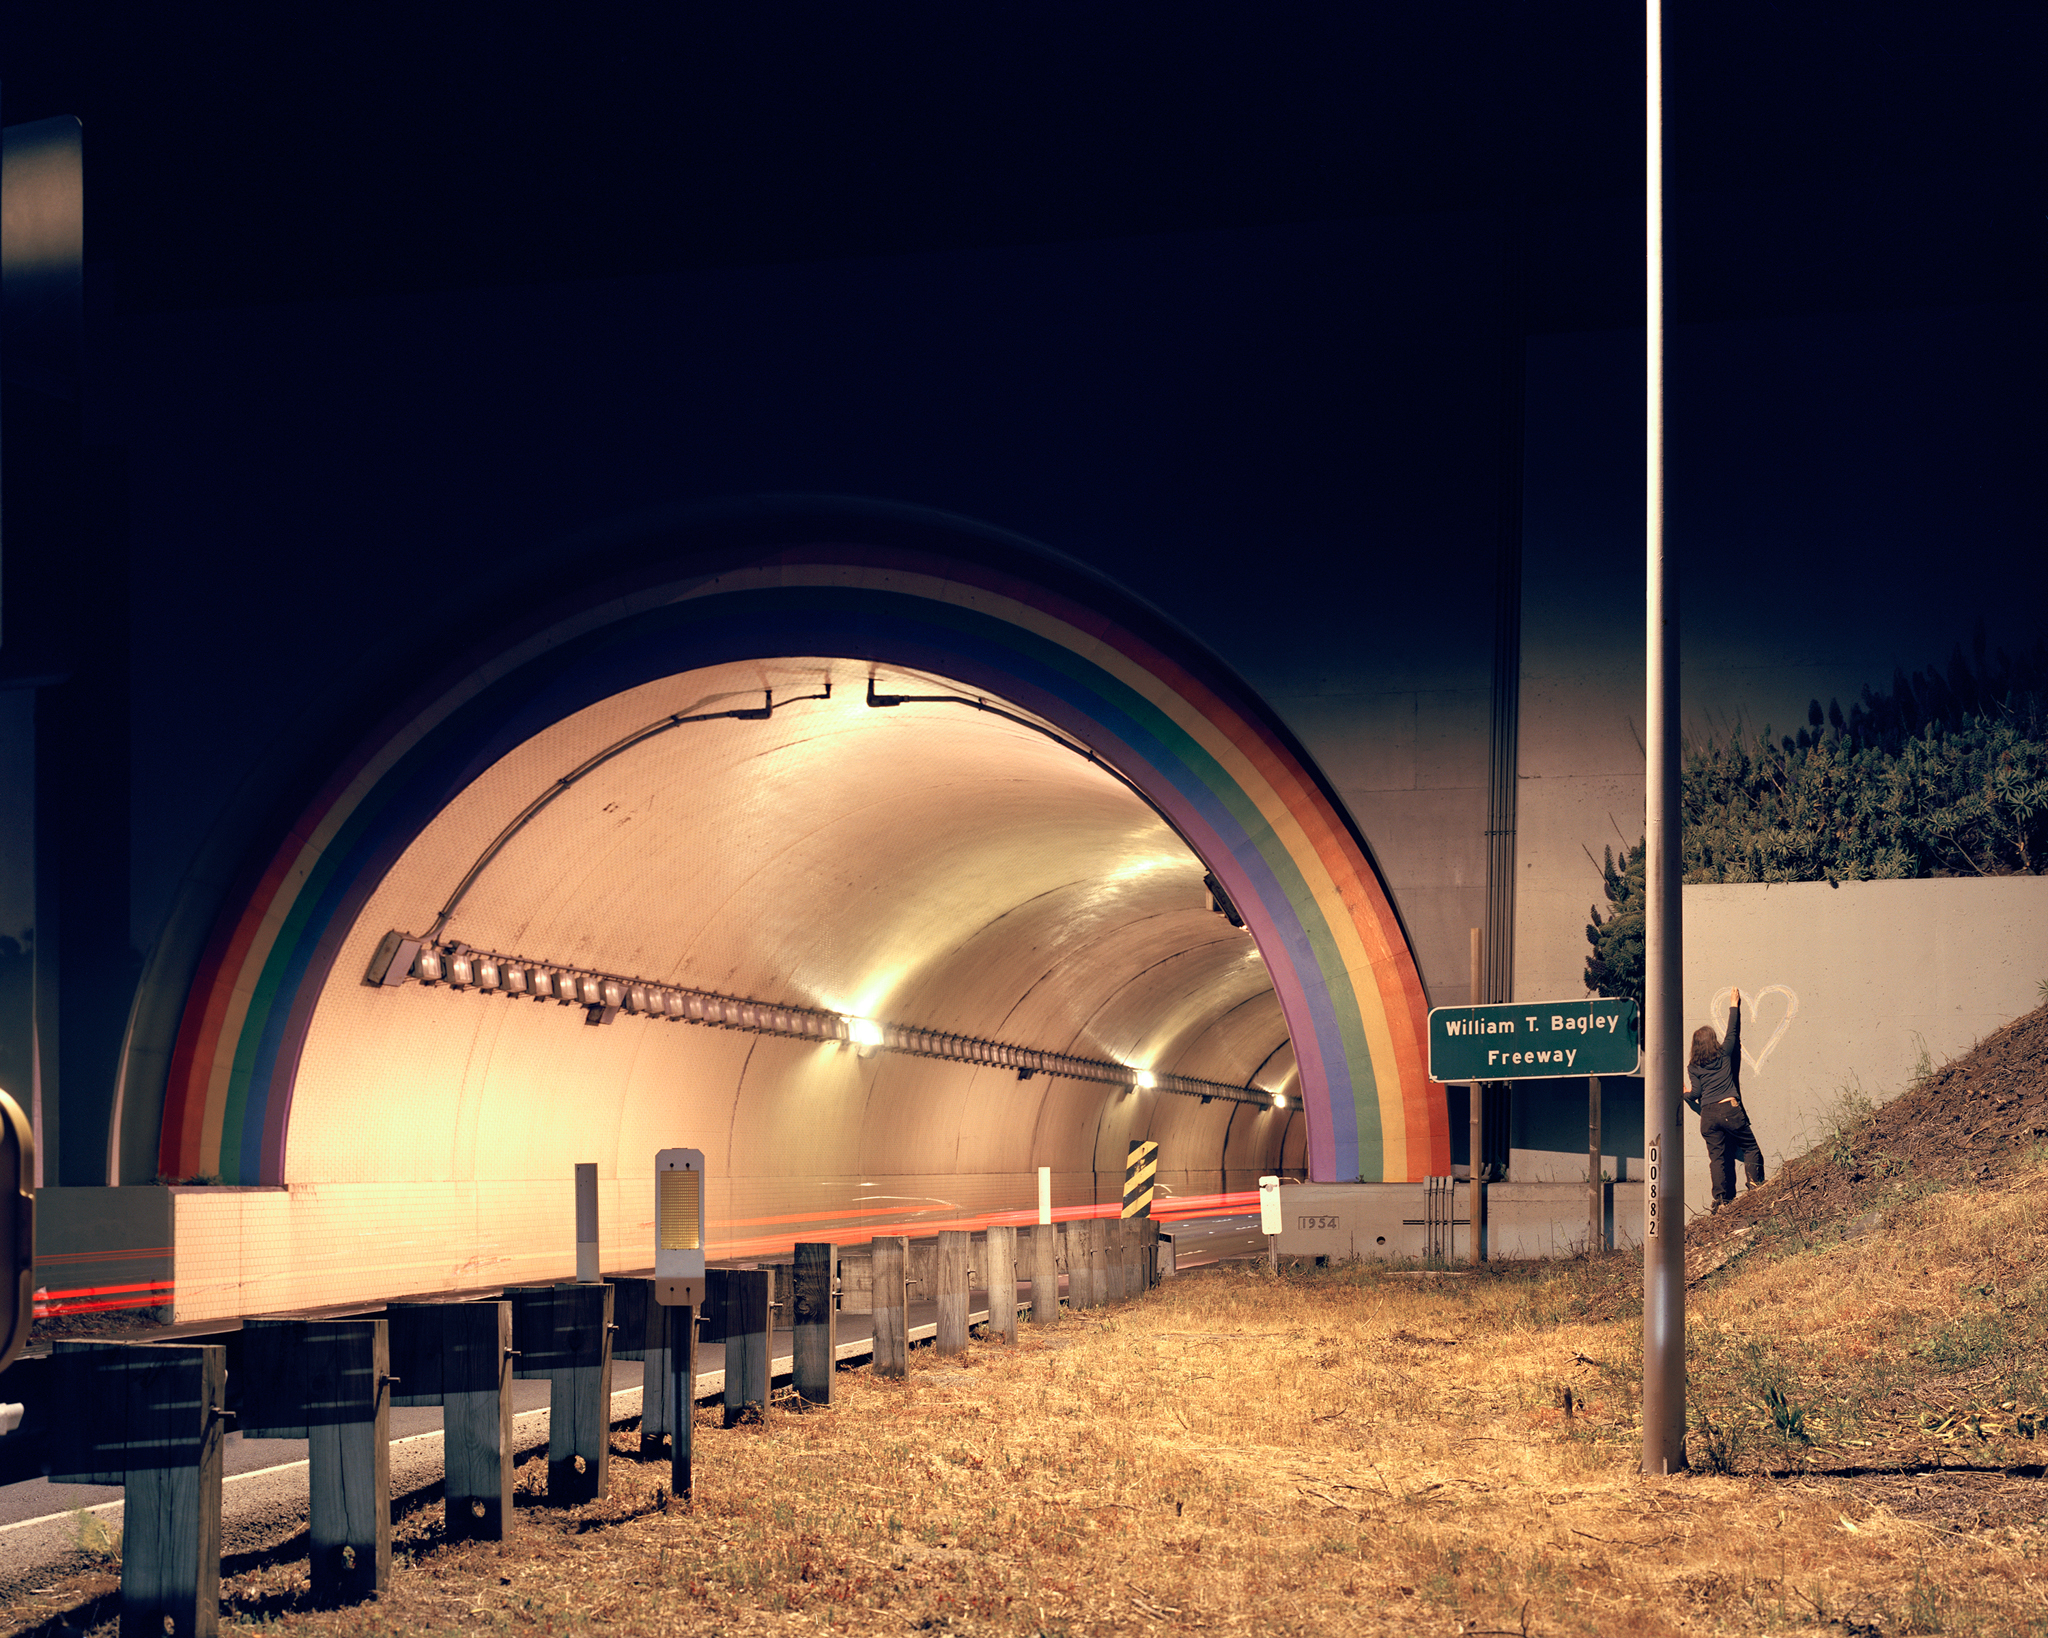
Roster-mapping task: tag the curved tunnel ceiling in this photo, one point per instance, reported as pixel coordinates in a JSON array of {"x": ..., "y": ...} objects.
[{"x": 927, "y": 864}]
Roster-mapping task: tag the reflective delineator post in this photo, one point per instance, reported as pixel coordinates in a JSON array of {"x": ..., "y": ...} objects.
[
  {"x": 586, "y": 1223},
  {"x": 1663, "y": 1015}
]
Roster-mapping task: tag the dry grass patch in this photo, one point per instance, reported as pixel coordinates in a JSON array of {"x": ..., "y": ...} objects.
[
  {"x": 1339, "y": 1451},
  {"x": 1922, "y": 1339}
]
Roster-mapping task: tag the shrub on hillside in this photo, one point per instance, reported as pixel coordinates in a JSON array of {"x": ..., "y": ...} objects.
[{"x": 1943, "y": 774}]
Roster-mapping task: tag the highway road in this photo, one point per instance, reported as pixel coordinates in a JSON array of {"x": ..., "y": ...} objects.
[
  {"x": 1201, "y": 1241},
  {"x": 263, "y": 1499}
]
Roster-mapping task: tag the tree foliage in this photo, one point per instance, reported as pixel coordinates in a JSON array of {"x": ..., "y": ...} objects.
[
  {"x": 1945, "y": 773},
  {"x": 1615, "y": 968}
]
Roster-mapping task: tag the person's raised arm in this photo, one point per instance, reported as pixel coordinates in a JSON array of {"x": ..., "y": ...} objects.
[{"x": 1731, "y": 1043}]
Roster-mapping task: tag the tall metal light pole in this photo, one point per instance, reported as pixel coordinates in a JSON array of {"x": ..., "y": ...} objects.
[{"x": 1663, "y": 1000}]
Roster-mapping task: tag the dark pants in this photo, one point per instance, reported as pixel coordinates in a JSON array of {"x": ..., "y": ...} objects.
[{"x": 1725, "y": 1126}]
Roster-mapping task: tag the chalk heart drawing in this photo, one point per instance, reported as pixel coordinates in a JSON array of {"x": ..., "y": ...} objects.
[{"x": 1752, "y": 1002}]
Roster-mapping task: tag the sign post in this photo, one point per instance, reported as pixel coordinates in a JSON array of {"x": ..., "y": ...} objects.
[
  {"x": 679, "y": 1287},
  {"x": 1534, "y": 1041},
  {"x": 1596, "y": 1215}
]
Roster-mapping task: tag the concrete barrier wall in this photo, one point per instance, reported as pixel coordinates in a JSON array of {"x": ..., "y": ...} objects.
[
  {"x": 1386, "y": 1221},
  {"x": 1847, "y": 988}
]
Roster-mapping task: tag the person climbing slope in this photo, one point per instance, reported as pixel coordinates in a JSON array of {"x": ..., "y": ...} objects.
[{"x": 1715, "y": 1095}]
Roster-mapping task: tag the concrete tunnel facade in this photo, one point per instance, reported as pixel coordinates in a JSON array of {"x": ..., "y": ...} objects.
[{"x": 1031, "y": 874}]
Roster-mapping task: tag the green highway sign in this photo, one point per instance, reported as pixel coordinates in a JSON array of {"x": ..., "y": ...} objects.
[{"x": 1531, "y": 1040}]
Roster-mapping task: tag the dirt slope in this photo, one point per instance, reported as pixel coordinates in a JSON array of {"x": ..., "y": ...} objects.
[{"x": 1970, "y": 1121}]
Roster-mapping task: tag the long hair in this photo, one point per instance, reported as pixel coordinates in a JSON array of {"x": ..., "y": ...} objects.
[{"x": 1706, "y": 1045}]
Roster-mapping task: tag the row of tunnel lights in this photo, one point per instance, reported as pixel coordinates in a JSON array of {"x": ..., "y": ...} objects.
[{"x": 603, "y": 999}]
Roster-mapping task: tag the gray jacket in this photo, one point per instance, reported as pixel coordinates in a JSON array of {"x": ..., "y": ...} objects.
[{"x": 1722, "y": 1078}]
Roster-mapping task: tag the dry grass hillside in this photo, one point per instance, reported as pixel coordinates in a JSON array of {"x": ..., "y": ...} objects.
[{"x": 1368, "y": 1450}]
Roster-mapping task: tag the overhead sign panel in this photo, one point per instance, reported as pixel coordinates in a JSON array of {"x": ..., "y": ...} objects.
[{"x": 1532, "y": 1040}]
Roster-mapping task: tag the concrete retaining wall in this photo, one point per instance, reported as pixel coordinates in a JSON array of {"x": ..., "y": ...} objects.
[
  {"x": 1386, "y": 1221},
  {"x": 1844, "y": 989}
]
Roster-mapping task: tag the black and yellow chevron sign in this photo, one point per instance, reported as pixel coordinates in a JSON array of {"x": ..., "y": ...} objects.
[{"x": 1139, "y": 1171}]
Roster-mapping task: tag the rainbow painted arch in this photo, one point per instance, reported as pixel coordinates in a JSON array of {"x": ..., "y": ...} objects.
[{"x": 1141, "y": 694}]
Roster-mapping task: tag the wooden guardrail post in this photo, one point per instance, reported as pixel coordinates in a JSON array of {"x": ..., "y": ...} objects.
[
  {"x": 563, "y": 1334},
  {"x": 149, "y": 1417},
  {"x": 890, "y": 1255},
  {"x": 640, "y": 1331},
  {"x": 1045, "y": 1274},
  {"x": 1088, "y": 1264},
  {"x": 458, "y": 1355},
  {"x": 329, "y": 1382},
  {"x": 736, "y": 1300},
  {"x": 1000, "y": 1253},
  {"x": 814, "y": 1322},
  {"x": 954, "y": 1245},
  {"x": 476, "y": 1418},
  {"x": 1117, "y": 1245}
]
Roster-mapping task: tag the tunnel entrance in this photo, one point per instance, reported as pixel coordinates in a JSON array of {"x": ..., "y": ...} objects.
[
  {"x": 935, "y": 880},
  {"x": 952, "y": 806}
]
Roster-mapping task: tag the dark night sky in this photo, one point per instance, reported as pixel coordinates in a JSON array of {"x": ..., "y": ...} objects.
[
  {"x": 1820, "y": 156},
  {"x": 1237, "y": 270}
]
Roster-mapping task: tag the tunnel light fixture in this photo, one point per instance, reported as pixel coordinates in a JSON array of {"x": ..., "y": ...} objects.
[
  {"x": 603, "y": 996},
  {"x": 1279, "y": 1100}
]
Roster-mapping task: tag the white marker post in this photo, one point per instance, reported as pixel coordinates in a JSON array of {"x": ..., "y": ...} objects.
[
  {"x": 1045, "y": 1197},
  {"x": 679, "y": 1281},
  {"x": 1269, "y": 1219},
  {"x": 1663, "y": 999}
]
